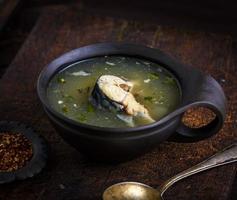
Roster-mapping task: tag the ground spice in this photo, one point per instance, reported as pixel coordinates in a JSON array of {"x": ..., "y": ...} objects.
[
  {"x": 15, "y": 151},
  {"x": 198, "y": 117}
]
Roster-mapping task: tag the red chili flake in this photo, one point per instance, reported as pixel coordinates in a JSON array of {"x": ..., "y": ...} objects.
[
  {"x": 198, "y": 117},
  {"x": 15, "y": 151}
]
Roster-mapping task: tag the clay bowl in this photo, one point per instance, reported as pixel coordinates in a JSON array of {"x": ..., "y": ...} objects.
[{"x": 113, "y": 144}]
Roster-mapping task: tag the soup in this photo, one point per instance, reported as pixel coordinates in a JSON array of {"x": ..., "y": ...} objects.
[{"x": 114, "y": 91}]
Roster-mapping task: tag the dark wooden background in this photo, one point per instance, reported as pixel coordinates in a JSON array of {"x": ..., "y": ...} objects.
[{"x": 39, "y": 31}]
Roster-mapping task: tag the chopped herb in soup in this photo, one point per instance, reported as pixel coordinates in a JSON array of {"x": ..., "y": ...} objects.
[{"x": 114, "y": 92}]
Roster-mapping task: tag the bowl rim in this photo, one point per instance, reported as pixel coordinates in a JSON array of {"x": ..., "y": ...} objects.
[{"x": 112, "y": 49}]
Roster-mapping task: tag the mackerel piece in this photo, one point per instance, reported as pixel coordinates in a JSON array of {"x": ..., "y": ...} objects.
[{"x": 114, "y": 93}]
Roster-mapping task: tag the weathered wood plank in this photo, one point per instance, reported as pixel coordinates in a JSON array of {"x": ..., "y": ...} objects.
[{"x": 69, "y": 175}]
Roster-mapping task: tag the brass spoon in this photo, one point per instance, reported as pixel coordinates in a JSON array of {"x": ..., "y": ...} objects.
[{"x": 139, "y": 191}]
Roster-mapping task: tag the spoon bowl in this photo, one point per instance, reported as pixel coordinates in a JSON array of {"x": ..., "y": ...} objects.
[{"x": 131, "y": 191}]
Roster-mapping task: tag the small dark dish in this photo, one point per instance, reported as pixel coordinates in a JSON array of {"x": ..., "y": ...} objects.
[
  {"x": 197, "y": 89},
  {"x": 39, "y": 157}
]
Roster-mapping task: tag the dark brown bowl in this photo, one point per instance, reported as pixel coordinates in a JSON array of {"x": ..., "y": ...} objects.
[{"x": 110, "y": 144}]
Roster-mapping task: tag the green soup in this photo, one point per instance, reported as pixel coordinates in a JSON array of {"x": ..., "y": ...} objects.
[{"x": 155, "y": 88}]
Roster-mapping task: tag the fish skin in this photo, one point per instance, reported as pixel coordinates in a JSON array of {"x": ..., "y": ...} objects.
[{"x": 113, "y": 92}]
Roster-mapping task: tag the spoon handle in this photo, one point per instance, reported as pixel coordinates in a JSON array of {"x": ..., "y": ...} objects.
[{"x": 226, "y": 156}]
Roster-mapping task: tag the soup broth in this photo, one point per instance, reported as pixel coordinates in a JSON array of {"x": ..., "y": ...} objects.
[{"x": 69, "y": 91}]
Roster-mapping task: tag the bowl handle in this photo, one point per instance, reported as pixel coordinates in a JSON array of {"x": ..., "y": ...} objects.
[{"x": 210, "y": 95}]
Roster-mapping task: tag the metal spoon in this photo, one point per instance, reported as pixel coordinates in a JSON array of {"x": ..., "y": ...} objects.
[{"x": 139, "y": 191}]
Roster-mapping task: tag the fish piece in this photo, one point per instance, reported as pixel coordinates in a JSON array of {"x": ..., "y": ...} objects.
[
  {"x": 109, "y": 92},
  {"x": 114, "y": 93},
  {"x": 132, "y": 107},
  {"x": 128, "y": 119}
]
